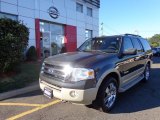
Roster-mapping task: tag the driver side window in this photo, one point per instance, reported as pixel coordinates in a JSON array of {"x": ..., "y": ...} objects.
[{"x": 86, "y": 45}]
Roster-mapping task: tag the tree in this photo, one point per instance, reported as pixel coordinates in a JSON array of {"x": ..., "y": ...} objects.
[
  {"x": 13, "y": 40},
  {"x": 31, "y": 54},
  {"x": 154, "y": 44},
  {"x": 155, "y": 40}
]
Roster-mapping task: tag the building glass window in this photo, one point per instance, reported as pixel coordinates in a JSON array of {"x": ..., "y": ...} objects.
[
  {"x": 79, "y": 7},
  {"x": 89, "y": 11},
  {"x": 88, "y": 34},
  {"x": 10, "y": 16},
  {"x": 52, "y": 38}
]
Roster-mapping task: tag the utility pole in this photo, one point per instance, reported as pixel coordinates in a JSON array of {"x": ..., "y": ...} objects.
[{"x": 102, "y": 29}]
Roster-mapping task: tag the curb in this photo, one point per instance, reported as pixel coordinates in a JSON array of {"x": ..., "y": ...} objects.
[{"x": 19, "y": 92}]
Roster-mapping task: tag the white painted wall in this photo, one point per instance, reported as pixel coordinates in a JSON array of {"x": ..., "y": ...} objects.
[{"x": 28, "y": 10}]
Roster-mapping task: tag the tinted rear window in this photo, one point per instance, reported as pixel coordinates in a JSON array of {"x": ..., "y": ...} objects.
[
  {"x": 137, "y": 45},
  {"x": 145, "y": 44}
]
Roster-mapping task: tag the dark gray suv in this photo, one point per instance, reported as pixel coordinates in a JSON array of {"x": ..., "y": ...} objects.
[{"x": 100, "y": 69}]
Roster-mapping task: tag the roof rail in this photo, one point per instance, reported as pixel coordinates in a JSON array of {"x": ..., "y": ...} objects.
[{"x": 132, "y": 35}]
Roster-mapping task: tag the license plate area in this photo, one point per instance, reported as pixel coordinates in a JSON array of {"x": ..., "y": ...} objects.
[{"x": 48, "y": 93}]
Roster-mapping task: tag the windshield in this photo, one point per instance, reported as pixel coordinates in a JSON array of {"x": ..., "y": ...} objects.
[{"x": 106, "y": 44}]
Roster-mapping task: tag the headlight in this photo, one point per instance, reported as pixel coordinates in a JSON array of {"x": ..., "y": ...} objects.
[
  {"x": 67, "y": 70},
  {"x": 79, "y": 74}
]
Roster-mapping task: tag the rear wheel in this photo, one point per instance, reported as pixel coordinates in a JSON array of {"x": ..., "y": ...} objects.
[
  {"x": 147, "y": 73},
  {"x": 108, "y": 94}
]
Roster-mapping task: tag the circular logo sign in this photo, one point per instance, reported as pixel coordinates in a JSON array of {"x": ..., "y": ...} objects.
[{"x": 53, "y": 12}]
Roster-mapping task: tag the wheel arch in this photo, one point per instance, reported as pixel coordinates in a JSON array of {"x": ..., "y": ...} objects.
[
  {"x": 113, "y": 73},
  {"x": 148, "y": 62}
]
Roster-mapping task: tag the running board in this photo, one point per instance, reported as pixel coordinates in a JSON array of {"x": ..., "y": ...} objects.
[{"x": 131, "y": 84}]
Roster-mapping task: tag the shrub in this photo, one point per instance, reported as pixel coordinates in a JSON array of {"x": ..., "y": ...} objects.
[
  {"x": 154, "y": 44},
  {"x": 31, "y": 54},
  {"x": 13, "y": 41}
]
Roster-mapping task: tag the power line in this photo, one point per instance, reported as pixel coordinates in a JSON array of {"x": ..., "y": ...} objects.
[
  {"x": 105, "y": 27},
  {"x": 106, "y": 33},
  {"x": 113, "y": 30},
  {"x": 149, "y": 31}
]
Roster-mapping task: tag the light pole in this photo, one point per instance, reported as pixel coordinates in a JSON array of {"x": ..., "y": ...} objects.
[{"x": 102, "y": 29}]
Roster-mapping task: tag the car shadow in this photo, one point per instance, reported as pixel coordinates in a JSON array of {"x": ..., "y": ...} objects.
[{"x": 143, "y": 96}]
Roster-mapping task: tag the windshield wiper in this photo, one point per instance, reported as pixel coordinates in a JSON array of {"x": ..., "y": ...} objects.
[
  {"x": 84, "y": 50},
  {"x": 98, "y": 51}
]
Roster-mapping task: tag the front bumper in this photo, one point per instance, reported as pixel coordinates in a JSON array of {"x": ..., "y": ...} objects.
[{"x": 81, "y": 96}]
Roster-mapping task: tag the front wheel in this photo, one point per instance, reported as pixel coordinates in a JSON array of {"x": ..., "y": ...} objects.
[{"x": 108, "y": 94}]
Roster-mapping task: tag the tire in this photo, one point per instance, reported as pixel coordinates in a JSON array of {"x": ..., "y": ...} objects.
[
  {"x": 108, "y": 94},
  {"x": 146, "y": 73}
]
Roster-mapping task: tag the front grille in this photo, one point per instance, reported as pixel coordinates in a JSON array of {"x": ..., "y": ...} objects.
[{"x": 53, "y": 71}]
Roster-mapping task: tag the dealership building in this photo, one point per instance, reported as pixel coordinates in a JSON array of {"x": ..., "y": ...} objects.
[{"x": 55, "y": 24}]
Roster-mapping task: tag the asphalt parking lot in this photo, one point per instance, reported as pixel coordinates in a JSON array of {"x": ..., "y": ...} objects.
[{"x": 142, "y": 102}]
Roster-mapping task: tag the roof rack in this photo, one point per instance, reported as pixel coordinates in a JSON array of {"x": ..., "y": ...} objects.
[{"x": 132, "y": 35}]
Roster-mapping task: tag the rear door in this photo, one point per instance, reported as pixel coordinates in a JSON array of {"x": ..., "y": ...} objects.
[{"x": 140, "y": 57}]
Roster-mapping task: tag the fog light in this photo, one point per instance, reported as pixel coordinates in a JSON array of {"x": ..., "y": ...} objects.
[{"x": 73, "y": 94}]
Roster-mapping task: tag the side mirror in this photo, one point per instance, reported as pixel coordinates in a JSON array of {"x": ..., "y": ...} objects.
[{"x": 130, "y": 52}]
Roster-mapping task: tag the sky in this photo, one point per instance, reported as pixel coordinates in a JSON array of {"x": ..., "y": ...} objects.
[{"x": 140, "y": 17}]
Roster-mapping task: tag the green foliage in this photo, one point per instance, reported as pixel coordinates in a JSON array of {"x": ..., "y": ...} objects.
[
  {"x": 155, "y": 40},
  {"x": 13, "y": 41},
  {"x": 31, "y": 54},
  {"x": 154, "y": 44}
]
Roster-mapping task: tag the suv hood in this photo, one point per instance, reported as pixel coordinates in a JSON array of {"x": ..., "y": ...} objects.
[{"x": 77, "y": 59}]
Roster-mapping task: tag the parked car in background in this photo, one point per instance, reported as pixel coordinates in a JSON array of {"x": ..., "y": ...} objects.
[{"x": 156, "y": 51}]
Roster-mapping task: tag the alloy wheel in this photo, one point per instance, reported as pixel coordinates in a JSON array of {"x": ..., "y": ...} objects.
[{"x": 110, "y": 95}]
